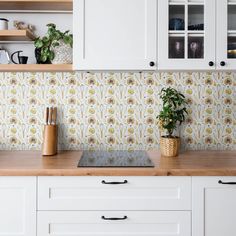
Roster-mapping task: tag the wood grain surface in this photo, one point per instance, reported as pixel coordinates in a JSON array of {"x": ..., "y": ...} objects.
[
  {"x": 63, "y": 5},
  {"x": 35, "y": 67},
  {"x": 16, "y": 35},
  {"x": 190, "y": 163}
]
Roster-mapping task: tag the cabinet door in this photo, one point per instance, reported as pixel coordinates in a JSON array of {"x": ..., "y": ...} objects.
[
  {"x": 226, "y": 34},
  {"x": 18, "y": 206},
  {"x": 214, "y": 206},
  {"x": 114, "y": 223},
  {"x": 115, "y": 34},
  {"x": 186, "y": 33}
]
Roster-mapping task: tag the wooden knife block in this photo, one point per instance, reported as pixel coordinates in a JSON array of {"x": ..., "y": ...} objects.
[{"x": 49, "y": 140}]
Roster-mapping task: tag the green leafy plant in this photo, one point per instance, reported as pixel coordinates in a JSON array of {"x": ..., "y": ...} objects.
[
  {"x": 173, "y": 110},
  {"x": 51, "y": 39}
]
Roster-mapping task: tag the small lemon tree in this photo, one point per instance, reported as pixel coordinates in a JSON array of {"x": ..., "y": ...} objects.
[{"x": 173, "y": 110}]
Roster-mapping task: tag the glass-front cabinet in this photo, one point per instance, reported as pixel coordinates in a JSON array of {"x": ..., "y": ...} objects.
[
  {"x": 186, "y": 32},
  {"x": 226, "y": 34}
]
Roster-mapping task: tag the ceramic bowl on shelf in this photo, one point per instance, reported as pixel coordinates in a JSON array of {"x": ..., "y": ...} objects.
[
  {"x": 232, "y": 53},
  {"x": 231, "y": 50},
  {"x": 176, "y": 24},
  {"x": 196, "y": 27},
  {"x": 4, "y": 24},
  {"x": 232, "y": 46}
]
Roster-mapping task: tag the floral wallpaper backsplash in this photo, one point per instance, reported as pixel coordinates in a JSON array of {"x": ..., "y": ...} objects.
[{"x": 115, "y": 110}]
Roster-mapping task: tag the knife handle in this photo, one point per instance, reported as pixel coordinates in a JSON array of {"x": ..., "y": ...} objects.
[
  {"x": 50, "y": 115},
  {"x": 54, "y": 116},
  {"x": 47, "y": 115}
]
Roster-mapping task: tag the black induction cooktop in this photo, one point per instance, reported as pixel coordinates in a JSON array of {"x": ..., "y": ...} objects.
[{"x": 115, "y": 159}]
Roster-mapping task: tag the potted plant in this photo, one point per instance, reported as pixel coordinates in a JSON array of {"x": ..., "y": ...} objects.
[
  {"x": 172, "y": 114},
  {"x": 55, "y": 47}
]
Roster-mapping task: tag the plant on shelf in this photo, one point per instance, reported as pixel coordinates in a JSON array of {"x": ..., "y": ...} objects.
[
  {"x": 55, "y": 47},
  {"x": 172, "y": 114}
]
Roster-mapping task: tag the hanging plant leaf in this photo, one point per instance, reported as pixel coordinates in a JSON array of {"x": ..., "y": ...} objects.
[{"x": 51, "y": 39}]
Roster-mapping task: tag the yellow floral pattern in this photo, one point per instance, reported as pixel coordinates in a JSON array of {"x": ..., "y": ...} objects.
[{"x": 115, "y": 110}]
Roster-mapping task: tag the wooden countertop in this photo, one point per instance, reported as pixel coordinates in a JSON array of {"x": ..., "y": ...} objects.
[{"x": 190, "y": 163}]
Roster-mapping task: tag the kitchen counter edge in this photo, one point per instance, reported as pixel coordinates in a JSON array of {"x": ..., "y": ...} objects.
[{"x": 189, "y": 163}]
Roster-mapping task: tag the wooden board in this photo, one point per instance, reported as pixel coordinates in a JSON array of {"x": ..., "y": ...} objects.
[
  {"x": 35, "y": 68},
  {"x": 16, "y": 35},
  {"x": 189, "y": 163},
  {"x": 36, "y": 5}
]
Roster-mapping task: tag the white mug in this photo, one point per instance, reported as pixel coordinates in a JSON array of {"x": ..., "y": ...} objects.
[{"x": 4, "y": 24}]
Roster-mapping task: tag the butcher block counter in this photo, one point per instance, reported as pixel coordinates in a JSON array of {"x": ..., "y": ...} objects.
[{"x": 189, "y": 163}]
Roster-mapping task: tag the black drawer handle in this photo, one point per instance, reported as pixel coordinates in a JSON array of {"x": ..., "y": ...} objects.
[
  {"x": 114, "y": 218},
  {"x": 124, "y": 182},
  {"x": 231, "y": 183}
]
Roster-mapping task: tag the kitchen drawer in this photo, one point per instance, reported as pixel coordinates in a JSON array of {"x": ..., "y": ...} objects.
[
  {"x": 163, "y": 223},
  {"x": 102, "y": 193}
]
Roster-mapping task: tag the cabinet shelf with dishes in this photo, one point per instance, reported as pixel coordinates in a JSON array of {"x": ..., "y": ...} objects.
[
  {"x": 35, "y": 13},
  {"x": 187, "y": 32},
  {"x": 197, "y": 35}
]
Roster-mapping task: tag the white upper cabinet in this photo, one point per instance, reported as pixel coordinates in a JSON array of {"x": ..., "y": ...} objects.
[
  {"x": 18, "y": 206},
  {"x": 186, "y": 34},
  {"x": 115, "y": 34},
  {"x": 226, "y": 34}
]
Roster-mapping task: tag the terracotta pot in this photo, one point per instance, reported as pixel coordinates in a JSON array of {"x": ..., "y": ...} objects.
[{"x": 169, "y": 146}]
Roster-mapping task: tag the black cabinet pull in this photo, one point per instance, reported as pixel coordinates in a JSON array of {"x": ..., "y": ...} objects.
[
  {"x": 211, "y": 63},
  {"x": 230, "y": 183},
  {"x": 152, "y": 63},
  {"x": 124, "y": 182},
  {"x": 114, "y": 218},
  {"x": 222, "y": 63}
]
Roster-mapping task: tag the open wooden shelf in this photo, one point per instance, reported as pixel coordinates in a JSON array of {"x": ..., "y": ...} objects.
[
  {"x": 16, "y": 35},
  {"x": 36, "y": 68},
  {"x": 36, "y": 5}
]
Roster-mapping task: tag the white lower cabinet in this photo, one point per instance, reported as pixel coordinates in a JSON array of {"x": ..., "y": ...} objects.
[
  {"x": 214, "y": 206},
  {"x": 114, "y": 206},
  {"x": 18, "y": 206},
  {"x": 114, "y": 223},
  {"x": 118, "y": 206}
]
